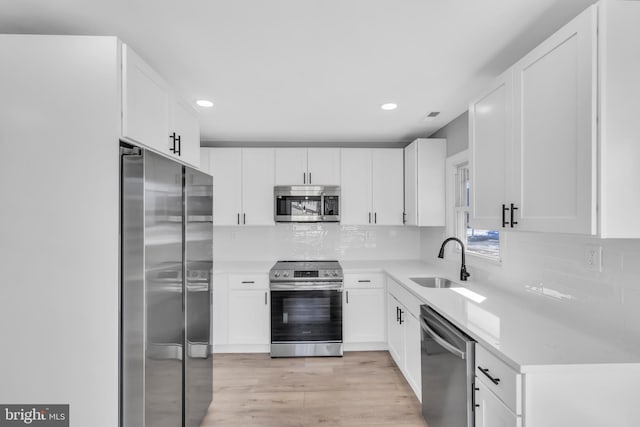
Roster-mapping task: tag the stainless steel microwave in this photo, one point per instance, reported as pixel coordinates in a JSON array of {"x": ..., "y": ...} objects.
[{"x": 306, "y": 203}]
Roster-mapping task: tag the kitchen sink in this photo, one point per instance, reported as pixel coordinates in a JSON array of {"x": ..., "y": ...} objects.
[{"x": 435, "y": 282}]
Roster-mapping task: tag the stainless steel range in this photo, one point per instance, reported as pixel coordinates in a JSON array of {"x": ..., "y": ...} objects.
[{"x": 306, "y": 308}]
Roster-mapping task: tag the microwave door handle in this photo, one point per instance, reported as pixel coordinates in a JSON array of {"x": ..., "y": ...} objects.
[{"x": 321, "y": 204}]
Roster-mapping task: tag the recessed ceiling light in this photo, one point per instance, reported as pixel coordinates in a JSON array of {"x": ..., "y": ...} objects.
[
  {"x": 204, "y": 103},
  {"x": 389, "y": 106}
]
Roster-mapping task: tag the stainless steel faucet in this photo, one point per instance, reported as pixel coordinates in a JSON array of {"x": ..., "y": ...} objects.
[{"x": 463, "y": 267}]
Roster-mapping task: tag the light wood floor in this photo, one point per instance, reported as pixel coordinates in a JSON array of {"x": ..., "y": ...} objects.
[{"x": 359, "y": 389}]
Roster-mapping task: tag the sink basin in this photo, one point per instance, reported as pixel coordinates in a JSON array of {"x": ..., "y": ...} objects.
[{"x": 435, "y": 282}]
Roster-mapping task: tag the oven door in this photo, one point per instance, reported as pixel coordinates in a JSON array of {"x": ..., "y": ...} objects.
[{"x": 306, "y": 316}]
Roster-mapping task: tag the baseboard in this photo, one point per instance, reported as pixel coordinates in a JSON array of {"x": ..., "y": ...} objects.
[{"x": 365, "y": 346}]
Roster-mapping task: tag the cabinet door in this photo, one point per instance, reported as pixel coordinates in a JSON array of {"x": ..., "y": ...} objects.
[
  {"x": 249, "y": 317},
  {"x": 490, "y": 141},
  {"x": 364, "y": 315},
  {"x": 225, "y": 165},
  {"x": 355, "y": 171},
  {"x": 291, "y": 166},
  {"x": 257, "y": 186},
  {"x": 145, "y": 103},
  {"x": 184, "y": 122},
  {"x": 555, "y": 144},
  {"x": 395, "y": 335},
  {"x": 490, "y": 411},
  {"x": 388, "y": 186},
  {"x": 411, "y": 184},
  {"x": 413, "y": 368},
  {"x": 323, "y": 166}
]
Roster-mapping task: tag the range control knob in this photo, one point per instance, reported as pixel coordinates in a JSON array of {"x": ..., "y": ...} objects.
[
  {"x": 277, "y": 274},
  {"x": 335, "y": 274},
  {"x": 326, "y": 273},
  {"x": 286, "y": 274}
]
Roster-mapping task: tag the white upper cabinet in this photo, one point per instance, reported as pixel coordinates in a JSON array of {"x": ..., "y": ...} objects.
[
  {"x": 153, "y": 115},
  {"x": 257, "y": 186},
  {"x": 291, "y": 166},
  {"x": 145, "y": 103},
  {"x": 424, "y": 182},
  {"x": 372, "y": 186},
  {"x": 553, "y": 139},
  {"x": 299, "y": 166},
  {"x": 387, "y": 186},
  {"x": 242, "y": 184},
  {"x": 490, "y": 143},
  {"x": 323, "y": 166},
  {"x": 355, "y": 190},
  {"x": 225, "y": 165}
]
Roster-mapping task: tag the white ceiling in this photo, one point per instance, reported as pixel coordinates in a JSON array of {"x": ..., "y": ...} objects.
[{"x": 313, "y": 70}]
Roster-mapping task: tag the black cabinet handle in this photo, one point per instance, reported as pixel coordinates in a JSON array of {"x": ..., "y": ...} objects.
[
  {"x": 347, "y": 297},
  {"x": 244, "y": 218},
  {"x": 177, "y": 144},
  {"x": 375, "y": 217},
  {"x": 513, "y": 209},
  {"x": 401, "y": 319},
  {"x": 309, "y": 177},
  {"x": 404, "y": 217},
  {"x": 397, "y": 314},
  {"x": 364, "y": 281},
  {"x": 369, "y": 217},
  {"x": 238, "y": 218},
  {"x": 496, "y": 381},
  {"x": 504, "y": 216},
  {"x": 248, "y": 281},
  {"x": 179, "y": 153},
  {"x": 304, "y": 177}
]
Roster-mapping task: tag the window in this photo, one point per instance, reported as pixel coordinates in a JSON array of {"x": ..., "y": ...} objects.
[{"x": 484, "y": 243}]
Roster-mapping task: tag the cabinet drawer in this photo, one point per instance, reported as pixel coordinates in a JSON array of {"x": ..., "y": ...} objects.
[
  {"x": 249, "y": 281},
  {"x": 499, "y": 378},
  {"x": 364, "y": 281},
  {"x": 406, "y": 298}
]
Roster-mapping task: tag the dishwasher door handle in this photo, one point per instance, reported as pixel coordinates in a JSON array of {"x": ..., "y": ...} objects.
[{"x": 437, "y": 338}]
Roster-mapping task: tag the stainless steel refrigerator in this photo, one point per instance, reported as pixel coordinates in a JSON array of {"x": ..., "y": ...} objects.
[{"x": 166, "y": 265}]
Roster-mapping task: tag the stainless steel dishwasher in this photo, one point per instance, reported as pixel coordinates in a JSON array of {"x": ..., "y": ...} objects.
[{"x": 447, "y": 372}]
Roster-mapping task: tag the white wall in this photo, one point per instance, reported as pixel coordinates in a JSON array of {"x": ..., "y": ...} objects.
[
  {"x": 315, "y": 241},
  {"x": 59, "y": 119}
]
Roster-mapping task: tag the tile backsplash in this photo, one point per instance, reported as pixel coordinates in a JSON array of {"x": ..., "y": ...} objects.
[
  {"x": 553, "y": 269},
  {"x": 315, "y": 241}
]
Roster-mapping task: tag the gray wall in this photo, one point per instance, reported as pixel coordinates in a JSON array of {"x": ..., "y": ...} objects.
[{"x": 457, "y": 134}]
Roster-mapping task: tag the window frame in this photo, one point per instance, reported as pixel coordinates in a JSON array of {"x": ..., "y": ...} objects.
[{"x": 452, "y": 164}]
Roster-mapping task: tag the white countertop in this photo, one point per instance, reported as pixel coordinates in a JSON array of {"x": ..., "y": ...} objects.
[{"x": 517, "y": 328}]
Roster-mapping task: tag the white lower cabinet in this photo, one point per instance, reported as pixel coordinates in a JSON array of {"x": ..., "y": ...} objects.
[
  {"x": 490, "y": 411},
  {"x": 241, "y": 313},
  {"x": 248, "y": 312},
  {"x": 363, "y": 314},
  {"x": 404, "y": 334}
]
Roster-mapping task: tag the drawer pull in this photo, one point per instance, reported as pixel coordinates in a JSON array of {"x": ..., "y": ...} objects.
[
  {"x": 364, "y": 281},
  {"x": 496, "y": 381},
  {"x": 248, "y": 281}
]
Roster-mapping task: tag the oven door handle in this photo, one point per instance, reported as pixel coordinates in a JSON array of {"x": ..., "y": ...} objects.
[{"x": 307, "y": 286}]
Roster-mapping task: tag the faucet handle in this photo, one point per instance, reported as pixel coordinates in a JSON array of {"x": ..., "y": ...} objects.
[{"x": 463, "y": 273}]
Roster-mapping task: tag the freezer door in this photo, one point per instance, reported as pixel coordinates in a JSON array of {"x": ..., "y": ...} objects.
[
  {"x": 198, "y": 262},
  {"x": 163, "y": 214}
]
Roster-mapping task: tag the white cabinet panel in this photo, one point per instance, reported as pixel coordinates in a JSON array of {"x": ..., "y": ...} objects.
[
  {"x": 225, "y": 165},
  {"x": 145, "y": 103},
  {"x": 184, "y": 122},
  {"x": 555, "y": 142},
  {"x": 356, "y": 186},
  {"x": 257, "y": 186},
  {"x": 490, "y": 412},
  {"x": 413, "y": 368},
  {"x": 249, "y": 317},
  {"x": 364, "y": 315},
  {"x": 323, "y": 166},
  {"x": 490, "y": 139},
  {"x": 387, "y": 186},
  {"x": 424, "y": 182},
  {"x": 291, "y": 166},
  {"x": 395, "y": 334}
]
